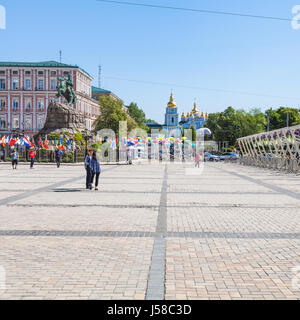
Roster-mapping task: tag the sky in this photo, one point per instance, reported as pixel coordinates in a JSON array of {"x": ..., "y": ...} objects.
[{"x": 219, "y": 60}]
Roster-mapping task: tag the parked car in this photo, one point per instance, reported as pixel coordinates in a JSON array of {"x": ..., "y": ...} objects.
[
  {"x": 210, "y": 157},
  {"x": 229, "y": 156}
]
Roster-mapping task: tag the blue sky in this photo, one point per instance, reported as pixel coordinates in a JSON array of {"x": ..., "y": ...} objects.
[{"x": 176, "y": 48}]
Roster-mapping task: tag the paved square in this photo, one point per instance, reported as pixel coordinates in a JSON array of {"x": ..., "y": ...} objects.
[{"x": 151, "y": 232}]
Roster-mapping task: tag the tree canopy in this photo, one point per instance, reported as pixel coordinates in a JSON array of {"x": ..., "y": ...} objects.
[
  {"x": 232, "y": 124},
  {"x": 278, "y": 118},
  {"x": 111, "y": 113},
  {"x": 138, "y": 115}
]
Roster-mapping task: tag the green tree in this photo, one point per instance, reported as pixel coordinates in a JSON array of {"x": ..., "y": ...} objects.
[
  {"x": 111, "y": 113},
  {"x": 194, "y": 134},
  {"x": 138, "y": 115},
  {"x": 278, "y": 118},
  {"x": 232, "y": 124},
  {"x": 151, "y": 121}
]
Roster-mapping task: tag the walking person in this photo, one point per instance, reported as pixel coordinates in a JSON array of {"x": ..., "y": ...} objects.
[
  {"x": 32, "y": 155},
  {"x": 88, "y": 168},
  {"x": 14, "y": 158},
  {"x": 197, "y": 160},
  {"x": 58, "y": 155},
  {"x": 96, "y": 170}
]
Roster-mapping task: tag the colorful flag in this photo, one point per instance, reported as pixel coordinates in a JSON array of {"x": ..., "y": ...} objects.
[
  {"x": 27, "y": 142},
  {"x": 74, "y": 144},
  {"x": 46, "y": 144},
  {"x": 12, "y": 142},
  {"x": 41, "y": 142},
  {"x": 61, "y": 143},
  {"x": 69, "y": 144}
]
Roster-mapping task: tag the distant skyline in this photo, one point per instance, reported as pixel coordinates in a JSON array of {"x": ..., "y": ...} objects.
[{"x": 145, "y": 52}]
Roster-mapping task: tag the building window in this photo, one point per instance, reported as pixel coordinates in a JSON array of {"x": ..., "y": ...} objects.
[
  {"x": 41, "y": 73},
  {"x": 27, "y": 73},
  {"x": 41, "y": 122},
  {"x": 2, "y": 104},
  {"x": 53, "y": 73},
  {"x": 40, "y": 104},
  {"x": 27, "y": 84},
  {"x": 53, "y": 84},
  {"x": 2, "y": 72},
  {"x": 15, "y": 73},
  {"x": 66, "y": 73},
  {"x": 28, "y": 123},
  {"x": 2, "y": 84},
  {"x": 41, "y": 84},
  {"x": 15, "y": 84},
  {"x": 15, "y": 104},
  {"x": 2, "y": 123},
  {"x": 27, "y": 104},
  {"x": 15, "y": 122}
]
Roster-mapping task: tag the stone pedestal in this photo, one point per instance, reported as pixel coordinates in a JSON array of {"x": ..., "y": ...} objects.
[{"x": 61, "y": 117}]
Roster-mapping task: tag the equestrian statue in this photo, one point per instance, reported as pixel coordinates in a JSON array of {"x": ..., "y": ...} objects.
[{"x": 66, "y": 90}]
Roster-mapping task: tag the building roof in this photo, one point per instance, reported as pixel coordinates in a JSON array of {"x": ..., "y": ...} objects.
[
  {"x": 43, "y": 64},
  {"x": 99, "y": 90}
]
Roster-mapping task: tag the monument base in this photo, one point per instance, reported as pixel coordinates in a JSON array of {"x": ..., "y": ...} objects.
[{"x": 61, "y": 117}]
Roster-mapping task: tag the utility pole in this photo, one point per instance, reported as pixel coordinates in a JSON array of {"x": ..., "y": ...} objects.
[
  {"x": 268, "y": 121},
  {"x": 60, "y": 54},
  {"x": 99, "y": 76},
  {"x": 287, "y": 120}
]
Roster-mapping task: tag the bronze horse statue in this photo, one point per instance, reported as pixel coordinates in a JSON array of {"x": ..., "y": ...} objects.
[{"x": 66, "y": 90}]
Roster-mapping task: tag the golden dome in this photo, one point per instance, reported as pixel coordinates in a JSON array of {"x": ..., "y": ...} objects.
[
  {"x": 188, "y": 115},
  {"x": 202, "y": 114},
  {"x": 183, "y": 115},
  {"x": 172, "y": 103},
  {"x": 195, "y": 110},
  {"x": 207, "y": 115}
]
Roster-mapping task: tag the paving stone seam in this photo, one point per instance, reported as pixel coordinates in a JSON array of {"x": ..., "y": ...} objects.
[
  {"x": 148, "y": 234},
  {"x": 30, "y": 193},
  {"x": 157, "y": 273},
  {"x": 277, "y": 189}
]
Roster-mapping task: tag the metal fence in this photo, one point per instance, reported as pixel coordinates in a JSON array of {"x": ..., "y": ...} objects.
[{"x": 276, "y": 150}]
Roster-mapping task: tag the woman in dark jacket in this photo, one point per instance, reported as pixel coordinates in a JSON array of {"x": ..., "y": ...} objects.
[{"x": 96, "y": 170}]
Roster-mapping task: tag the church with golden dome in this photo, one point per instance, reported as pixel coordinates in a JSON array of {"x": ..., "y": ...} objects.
[
  {"x": 171, "y": 116},
  {"x": 194, "y": 119}
]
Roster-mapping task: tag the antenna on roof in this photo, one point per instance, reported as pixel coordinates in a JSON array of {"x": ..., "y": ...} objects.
[
  {"x": 99, "y": 76},
  {"x": 60, "y": 53}
]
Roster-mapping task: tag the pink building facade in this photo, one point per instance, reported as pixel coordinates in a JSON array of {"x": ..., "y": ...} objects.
[{"x": 26, "y": 89}]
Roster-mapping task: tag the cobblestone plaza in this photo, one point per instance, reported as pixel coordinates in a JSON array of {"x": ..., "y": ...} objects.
[{"x": 152, "y": 231}]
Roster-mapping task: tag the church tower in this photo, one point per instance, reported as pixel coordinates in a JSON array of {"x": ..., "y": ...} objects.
[{"x": 171, "y": 117}]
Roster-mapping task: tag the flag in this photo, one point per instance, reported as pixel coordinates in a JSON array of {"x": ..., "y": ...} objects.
[
  {"x": 41, "y": 142},
  {"x": 69, "y": 144},
  {"x": 46, "y": 144},
  {"x": 74, "y": 144},
  {"x": 12, "y": 142},
  {"x": 55, "y": 142},
  {"x": 2, "y": 141},
  {"x": 27, "y": 142},
  {"x": 61, "y": 144}
]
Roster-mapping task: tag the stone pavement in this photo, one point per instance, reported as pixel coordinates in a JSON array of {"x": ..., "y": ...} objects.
[{"x": 151, "y": 232}]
